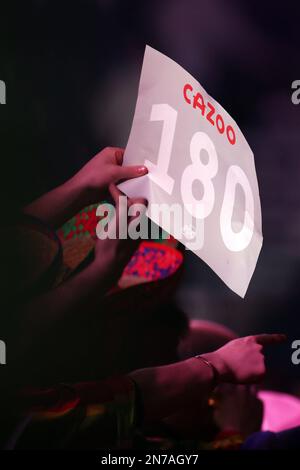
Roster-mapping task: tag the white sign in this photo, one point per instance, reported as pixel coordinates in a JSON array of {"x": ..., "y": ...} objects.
[{"x": 197, "y": 157}]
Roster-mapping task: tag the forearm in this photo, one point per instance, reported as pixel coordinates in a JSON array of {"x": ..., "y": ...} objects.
[
  {"x": 61, "y": 203},
  {"x": 167, "y": 389},
  {"x": 86, "y": 288}
]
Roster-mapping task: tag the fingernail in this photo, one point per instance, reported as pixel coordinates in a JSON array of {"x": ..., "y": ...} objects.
[{"x": 142, "y": 170}]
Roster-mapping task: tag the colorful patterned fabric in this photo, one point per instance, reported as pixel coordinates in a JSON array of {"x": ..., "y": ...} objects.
[
  {"x": 97, "y": 415},
  {"x": 85, "y": 415},
  {"x": 152, "y": 261},
  {"x": 81, "y": 225},
  {"x": 84, "y": 224}
]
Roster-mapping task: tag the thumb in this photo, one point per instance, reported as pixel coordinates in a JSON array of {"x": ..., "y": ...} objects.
[{"x": 129, "y": 172}]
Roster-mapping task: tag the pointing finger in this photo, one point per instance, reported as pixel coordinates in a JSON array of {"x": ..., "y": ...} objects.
[{"x": 266, "y": 339}]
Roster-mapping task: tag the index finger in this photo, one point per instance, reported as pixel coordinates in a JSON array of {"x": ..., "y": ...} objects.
[{"x": 265, "y": 339}]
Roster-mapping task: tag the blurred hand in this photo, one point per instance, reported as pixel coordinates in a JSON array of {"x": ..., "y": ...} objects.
[
  {"x": 237, "y": 408},
  {"x": 104, "y": 169},
  {"x": 242, "y": 360},
  {"x": 231, "y": 407}
]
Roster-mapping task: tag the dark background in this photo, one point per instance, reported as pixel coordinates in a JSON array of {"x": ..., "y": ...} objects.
[{"x": 72, "y": 71}]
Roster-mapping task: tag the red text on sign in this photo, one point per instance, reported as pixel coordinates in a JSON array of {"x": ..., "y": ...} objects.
[{"x": 208, "y": 111}]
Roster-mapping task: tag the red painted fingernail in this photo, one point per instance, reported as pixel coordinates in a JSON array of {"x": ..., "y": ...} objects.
[{"x": 142, "y": 170}]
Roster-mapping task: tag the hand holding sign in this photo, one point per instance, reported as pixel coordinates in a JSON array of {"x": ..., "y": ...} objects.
[{"x": 199, "y": 162}]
